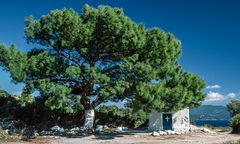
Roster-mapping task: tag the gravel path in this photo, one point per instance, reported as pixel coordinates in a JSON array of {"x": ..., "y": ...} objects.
[
  {"x": 138, "y": 138},
  {"x": 195, "y": 138}
]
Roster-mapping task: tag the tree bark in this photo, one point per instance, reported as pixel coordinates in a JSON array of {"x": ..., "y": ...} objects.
[
  {"x": 89, "y": 119},
  {"x": 89, "y": 113}
]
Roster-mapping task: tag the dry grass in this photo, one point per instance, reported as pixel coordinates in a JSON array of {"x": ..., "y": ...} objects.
[
  {"x": 5, "y": 137},
  {"x": 232, "y": 142}
]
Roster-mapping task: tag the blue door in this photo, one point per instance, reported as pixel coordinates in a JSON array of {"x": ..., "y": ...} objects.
[{"x": 167, "y": 121}]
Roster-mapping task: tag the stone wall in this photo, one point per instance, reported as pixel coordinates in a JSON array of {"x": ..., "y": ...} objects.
[
  {"x": 155, "y": 121},
  {"x": 181, "y": 120}
]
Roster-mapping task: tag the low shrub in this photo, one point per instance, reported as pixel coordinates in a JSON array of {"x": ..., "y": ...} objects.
[
  {"x": 8, "y": 105},
  {"x": 232, "y": 142},
  {"x": 36, "y": 113},
  {"x": 40, "y": 116},
  {"x": 112, "y": 115},
  {"x": 235, "y": 124}
]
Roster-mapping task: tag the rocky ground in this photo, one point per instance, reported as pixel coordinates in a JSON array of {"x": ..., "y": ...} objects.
[
  {"x": 191, "y": 138},
  {"x": 133, "y": 137},
  {"x": 14, "y": 132}
]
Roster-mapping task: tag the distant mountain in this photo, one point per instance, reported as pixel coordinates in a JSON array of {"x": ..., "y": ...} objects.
[{"x": 209, "y": 112}]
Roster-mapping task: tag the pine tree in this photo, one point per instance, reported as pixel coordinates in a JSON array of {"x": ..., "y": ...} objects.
[{"x": 82, "y": 61}]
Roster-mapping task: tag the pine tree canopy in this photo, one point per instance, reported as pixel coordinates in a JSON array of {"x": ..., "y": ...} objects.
[{"x": 81, "y": 61}]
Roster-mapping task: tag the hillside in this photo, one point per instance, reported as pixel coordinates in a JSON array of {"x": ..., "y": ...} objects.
[
  {"x": 209, "y": 112},
  {"x": 4, "y": 93}
]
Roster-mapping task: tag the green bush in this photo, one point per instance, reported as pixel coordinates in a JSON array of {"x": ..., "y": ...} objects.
[
  {"x": 235, "y": 124},
  {"x": 39, "y": 115},
  {"x": 8, "y": 105},
  {"x": 232, "y": 142},
  {"x": 234, "y": 107},
  {"x": 112, "y": 115},
  {"x": 36, "y": 113}
]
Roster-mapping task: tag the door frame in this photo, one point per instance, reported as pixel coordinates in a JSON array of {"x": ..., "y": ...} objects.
[{"x": 171, "y": 119}]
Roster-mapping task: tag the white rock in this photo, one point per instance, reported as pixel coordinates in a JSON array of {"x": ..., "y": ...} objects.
[
  {"x": 99, "y": 128},
  {"x": 81, "y": 128},
  {"x": 170, "y": 132},
  {"x": 71, "y": 132},
  {"x": 58, "y": 129},
  {"x": 61, "y": 130},
  {"x": 35, "y": 133},
  {"x": 194, "y": 128},
  {"x": 207, "y": 130},
  {"x": 178, "y": 133},
  {"x": 155, "y": 134},
  {"x": 7, "y": 131},
  {"x": 105, "y": 127},
  {"x": 75, "y": 129},
  {"x": 162, "y": 133},
  {"x": 121, "y": 129},
  {"x": 43, "y": 133}
]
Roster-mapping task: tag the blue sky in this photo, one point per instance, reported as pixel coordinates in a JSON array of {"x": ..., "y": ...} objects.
[{"x": 209, "y": 31}]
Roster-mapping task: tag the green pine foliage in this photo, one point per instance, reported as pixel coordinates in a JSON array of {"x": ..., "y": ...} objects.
[
  {"x": 112, "y": 115},
  {"x": 235, "y": 124},
  {"x": 101, "y": 55},
  {"x": 234, "y": 107}
]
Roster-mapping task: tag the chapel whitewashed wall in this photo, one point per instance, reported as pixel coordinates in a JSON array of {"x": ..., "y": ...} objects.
[{"x": 180, "y": 121}]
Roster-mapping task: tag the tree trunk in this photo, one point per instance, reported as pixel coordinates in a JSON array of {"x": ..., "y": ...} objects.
[
  {"x": 89, "y": 119},
  {"x": 89, "y": 112}
]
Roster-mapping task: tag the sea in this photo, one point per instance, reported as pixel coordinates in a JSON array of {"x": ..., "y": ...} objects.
[{"x": 214, "y": 123}]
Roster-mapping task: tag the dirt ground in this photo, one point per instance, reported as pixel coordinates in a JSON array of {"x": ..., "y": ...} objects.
[{"x": 136, "y": 138}]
